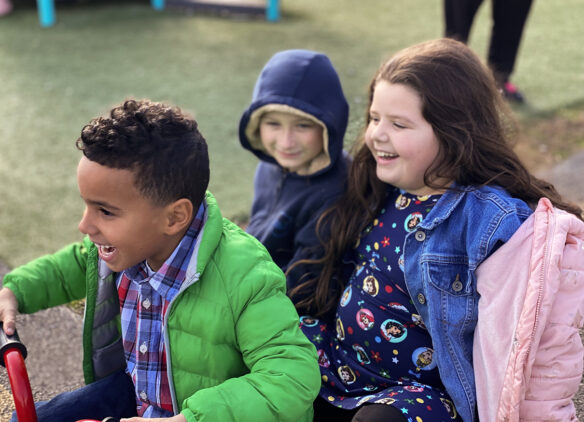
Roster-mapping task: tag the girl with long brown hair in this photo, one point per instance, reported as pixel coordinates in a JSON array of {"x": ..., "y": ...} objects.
[{"x": 434, "y": 190}]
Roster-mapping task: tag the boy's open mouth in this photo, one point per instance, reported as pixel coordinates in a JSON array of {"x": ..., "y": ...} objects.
[{"x": 106, "y": 251}]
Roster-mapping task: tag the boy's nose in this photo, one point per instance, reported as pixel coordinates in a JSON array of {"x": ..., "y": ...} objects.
[
  {"x": 287, "y": 139},
  {"x": 85, "y": 225}
]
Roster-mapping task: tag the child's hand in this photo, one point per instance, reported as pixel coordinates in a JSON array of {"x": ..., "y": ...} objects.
[
  {"x": 8, "y": 310},
  {"x": 177, "y": 418}
]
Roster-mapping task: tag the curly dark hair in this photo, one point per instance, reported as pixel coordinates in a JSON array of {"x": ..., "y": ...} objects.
[{"x": 158, "y": 142}]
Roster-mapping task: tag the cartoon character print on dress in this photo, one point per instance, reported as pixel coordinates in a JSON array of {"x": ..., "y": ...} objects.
[
  {"x": 323, "y": 359},
  {"x": 450, "y": 408},
  {"x": 340, "y": 330},
  {"x": 365, "y": 399},
  {"x": 402, "y": 202},
  {"x": 378, "y": 349},
  {"x": 371, "y": 285},
  {"x": 361, "y": 354},
  {"x": 346, "y": 296},
  {"x": 412, "y": 221},
  {"x": 423, "y": 358},
  {"x": 370, "y": 387},
  {"x": 385, "y": 400},
  {"x": 365, "y": 319},
  {"x": 393, "y": 331},
  {"x": 347, "y": 375},
  {"x": 414, "y": 388},
  {"x": 308, "y": 321},
  {"x": 398, "y": 306},
  {"x": 373, "y": 260},
  {"x": 417, "y": 320}
]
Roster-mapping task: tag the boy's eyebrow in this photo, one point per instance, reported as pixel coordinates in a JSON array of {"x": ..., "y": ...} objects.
[{"x": 101, "y": 204}]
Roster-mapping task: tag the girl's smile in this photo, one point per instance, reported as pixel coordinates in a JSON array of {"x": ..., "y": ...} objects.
[{"x": 385, "y": 157}]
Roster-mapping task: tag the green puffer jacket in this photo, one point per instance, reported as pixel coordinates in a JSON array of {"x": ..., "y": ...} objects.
[{"x": 234, "y": 348}]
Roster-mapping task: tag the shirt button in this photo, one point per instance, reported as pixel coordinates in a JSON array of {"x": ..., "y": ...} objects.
[
  {"x": 146, "y": 304},
  {"x": 421, "y": 298},
  {"x": 143, "y": 395},
  {"x": 420, "y": 236},
  {"x": 143, "y": 348},
  {"x": 457, "y": 286}
]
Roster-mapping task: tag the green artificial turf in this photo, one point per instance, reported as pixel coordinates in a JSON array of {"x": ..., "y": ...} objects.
[{"x": 54, "y": 80}]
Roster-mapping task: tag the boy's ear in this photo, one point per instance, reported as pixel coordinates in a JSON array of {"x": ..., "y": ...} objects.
[{"x": 179, "y": 216}]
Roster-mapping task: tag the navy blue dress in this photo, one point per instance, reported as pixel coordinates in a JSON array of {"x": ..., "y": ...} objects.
[{"x": 379, "y": 350}]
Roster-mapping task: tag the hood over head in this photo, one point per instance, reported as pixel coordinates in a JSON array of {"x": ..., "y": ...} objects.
[{"x": 304, "y": 83}]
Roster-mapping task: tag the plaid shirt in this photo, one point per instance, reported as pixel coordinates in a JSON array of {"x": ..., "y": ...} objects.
[{"x": 144, "y": 299}]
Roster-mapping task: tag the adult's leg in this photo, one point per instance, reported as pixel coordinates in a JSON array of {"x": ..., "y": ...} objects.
[
  {"x": 509, "y": 17},
  {"x": 110, "y": 396},
  {"x": 325, "y": 412},
  {"x": 379, "y": 413},
  {"x": 458, "y": 18}
]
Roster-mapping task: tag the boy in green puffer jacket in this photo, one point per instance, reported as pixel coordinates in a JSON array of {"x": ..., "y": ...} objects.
[{"x": 186, "y": 315}]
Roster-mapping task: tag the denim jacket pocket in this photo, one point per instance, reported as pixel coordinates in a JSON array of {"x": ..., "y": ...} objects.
[{"x": 450, "y": 275}]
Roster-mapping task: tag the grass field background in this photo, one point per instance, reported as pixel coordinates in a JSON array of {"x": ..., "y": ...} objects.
[{"x": 54, "y": 80}]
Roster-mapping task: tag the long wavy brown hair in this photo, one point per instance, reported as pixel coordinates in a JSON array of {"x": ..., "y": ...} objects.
[{"x": 474, "y": 127}]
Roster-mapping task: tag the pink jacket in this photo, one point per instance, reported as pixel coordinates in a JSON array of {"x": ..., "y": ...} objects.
[{"x": 527, "y": 353}]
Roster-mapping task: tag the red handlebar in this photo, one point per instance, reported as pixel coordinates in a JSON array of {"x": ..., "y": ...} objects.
[
  {"x": 12, "y": 354},
  {"x": 23, "y": 401}
]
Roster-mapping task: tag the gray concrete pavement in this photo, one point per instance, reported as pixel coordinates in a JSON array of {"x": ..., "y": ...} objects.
[{"x": 568, "y": 178}]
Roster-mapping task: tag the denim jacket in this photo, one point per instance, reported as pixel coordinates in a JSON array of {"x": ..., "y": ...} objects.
[{"x": 441, "y": 257}]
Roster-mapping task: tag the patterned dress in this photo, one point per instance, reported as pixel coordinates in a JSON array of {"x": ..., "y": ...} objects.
[{"x": 379, "y": 350}]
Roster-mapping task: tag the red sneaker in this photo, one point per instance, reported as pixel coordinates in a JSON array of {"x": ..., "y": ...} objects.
[
  {"x": 5, "y": 7},
  {"x": 511, "y": 92}
]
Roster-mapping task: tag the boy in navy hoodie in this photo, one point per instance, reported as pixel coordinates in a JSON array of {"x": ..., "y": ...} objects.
[{"x": 295, "y": 125}]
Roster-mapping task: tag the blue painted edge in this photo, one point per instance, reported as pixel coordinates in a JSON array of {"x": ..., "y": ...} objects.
[
  {"x": 46, "y": 12},
  {"x": 273, "y": 10}
]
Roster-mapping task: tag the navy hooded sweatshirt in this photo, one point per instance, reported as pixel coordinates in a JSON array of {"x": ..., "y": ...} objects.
[{"x": 287, "y": 205}]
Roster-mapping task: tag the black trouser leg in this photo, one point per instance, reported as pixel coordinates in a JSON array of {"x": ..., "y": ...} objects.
[
  {"x": 459, "y": 16},
  {"x": 509, "y": 17}
]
